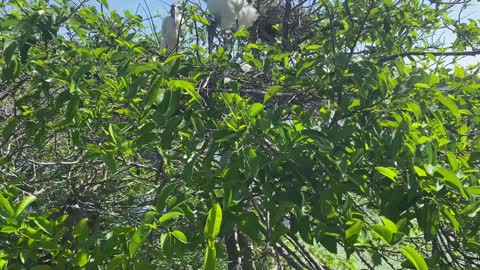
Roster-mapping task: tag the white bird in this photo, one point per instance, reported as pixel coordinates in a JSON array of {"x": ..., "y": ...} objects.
[
  {"x": 226, "y": 12},
  {"x": 171, "y": 27},
  {"x": 247, "y": 16}
]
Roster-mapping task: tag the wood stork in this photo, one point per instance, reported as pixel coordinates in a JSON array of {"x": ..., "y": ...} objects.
[
  {"x": 171, "y": 27},
  {"x": 227, "y": 12},
  {"x": 247, "y": 16}
]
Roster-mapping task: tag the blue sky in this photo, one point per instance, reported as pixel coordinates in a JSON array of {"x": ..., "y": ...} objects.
[
  {"x": 155, "y": 6},
  {"x": 161, "y": 7}
]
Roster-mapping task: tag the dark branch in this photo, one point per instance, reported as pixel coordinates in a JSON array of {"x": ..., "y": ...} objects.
[{"x": 395, "y": 56}]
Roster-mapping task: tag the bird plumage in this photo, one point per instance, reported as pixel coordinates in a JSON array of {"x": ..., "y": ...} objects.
[
  {"x": 171, "y": 26},
  {"x": 227, "y": 12},
  {"x": 247, "y": 16}
]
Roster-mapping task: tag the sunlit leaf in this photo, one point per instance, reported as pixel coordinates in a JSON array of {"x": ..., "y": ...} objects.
[
  {"x": 271, "y": 92},
  {"x": 389, "y": 172},
  {"x": 415, "y": 258},
  {"x": 24, "y": 204},
  {"x": 180, "y": 236},
  {"x": 214, "y": 222}
]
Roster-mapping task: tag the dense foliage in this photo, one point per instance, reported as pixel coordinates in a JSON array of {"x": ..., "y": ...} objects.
[{"x": 352, "y": 140}]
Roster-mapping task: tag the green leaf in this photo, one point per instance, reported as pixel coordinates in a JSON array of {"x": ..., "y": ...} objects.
[
  {"x": 10, "y": 128},
  {"x": 80, "y": 231},
  {"x": 389, "y": 172},
  {"x": 471, "y": 210},
  {"x": 389, "y": 224},
  {"x": 422, "y": 85},
  {"x": 104, "y": 3},
  {"x": 187, "y": 86},
  {"x": 415, "y": 258},
  {"x": 210, "y": 261},
  {"x": 473, "y": 190},
  {"x": 451, "y": 178},
  {"x": 155, "y": 90},
  {"x": 161, "y": 201},
  {"x": 255, "y": 109},
  {"x": 450, "y": 104},
  {"x": 313, "y": 47},
  {"x": 172, "y": 58},
  {"x": 419, "y": 171},
  {"x": 8, "y": 229},
  {"x": 199, "y": 18},
  {"x": 135, "y": 69},
  {"x": 82, "y": 258},
  {"x": 25, "y": 202},
  {"x": 5, "y": 204},
  {"x": 271, "y": 92},
  {"x": 450, "y": 214},
  {"x": 117, "y": 261},
  {"x": 383, "y": 232},
  {"x": 242, "y": 32},
  {"x": 388, "y": 2},
  {"x": 9, "y": 47},
  {"x": 72, "y": 107},
  {"x": 214, "y": 222},
  {"x": 353, "y": 231},
  {"x": 169, "y": 216},
  {"x": 180, "y": 236},
  {"x": 3, "y": 264},
  {"x": 458, "y": 72},
  {"x": 139, "y": 236}
]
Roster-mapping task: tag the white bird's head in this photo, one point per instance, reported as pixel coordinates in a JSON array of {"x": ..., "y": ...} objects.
[{"x": 173, "y": 10}]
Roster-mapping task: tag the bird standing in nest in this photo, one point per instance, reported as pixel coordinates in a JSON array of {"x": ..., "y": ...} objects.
[{"x": 171, "y": 27}]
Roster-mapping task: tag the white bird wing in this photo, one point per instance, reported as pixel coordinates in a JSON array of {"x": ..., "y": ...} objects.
[
  {"x": 169, "y": 34},
  {"x": 223, "y": 11},
  {"x": 248, "y": 15},
  {"x": 236, "y": 5}
]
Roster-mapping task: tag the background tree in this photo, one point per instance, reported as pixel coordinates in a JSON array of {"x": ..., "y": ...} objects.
[{"x": 351, "y": 142}]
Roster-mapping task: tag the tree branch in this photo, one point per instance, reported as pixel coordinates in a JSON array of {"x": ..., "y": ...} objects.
[{"x": 395, "y": 56}]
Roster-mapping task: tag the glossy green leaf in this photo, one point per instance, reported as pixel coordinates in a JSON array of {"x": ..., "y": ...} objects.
[
  {"x": 9, "y": 47},
  {"x": 186, "y": 86},
  {"x": 81, "y": 258},
  {"x": 80, "y": 230},
  {"x": 180, "y": 236},
  {"x": 415, "y": 258},
  {"x": 255, "y": 109},
  {"x": 5, "y": 204},
  {"x": 210, "y": 260},
  {"x": 353, "y": 230},
  {"x": 140, "y": 68},
  {"x": 471, "y": 210},
  {"x": 138, "y": 238},
  {"x": 154, "y": 92},
  {"x": 383, "y": 232},
  {"x": 450, "y": 104},
  {"x": 389, "y": 172},
  {"x": 214, "y": 222},
  {"x": 473, "y": 190},
  {"x": 24, "y": 204},
  {"x": 451, "y": 178},
  {"x": 104, "y": 3},
  {"x": 271, "y": 92},
  {"x": 169, "y": 215}
]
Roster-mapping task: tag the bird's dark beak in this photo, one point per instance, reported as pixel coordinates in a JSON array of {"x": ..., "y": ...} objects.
[{"x": 173, "y": 11}]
